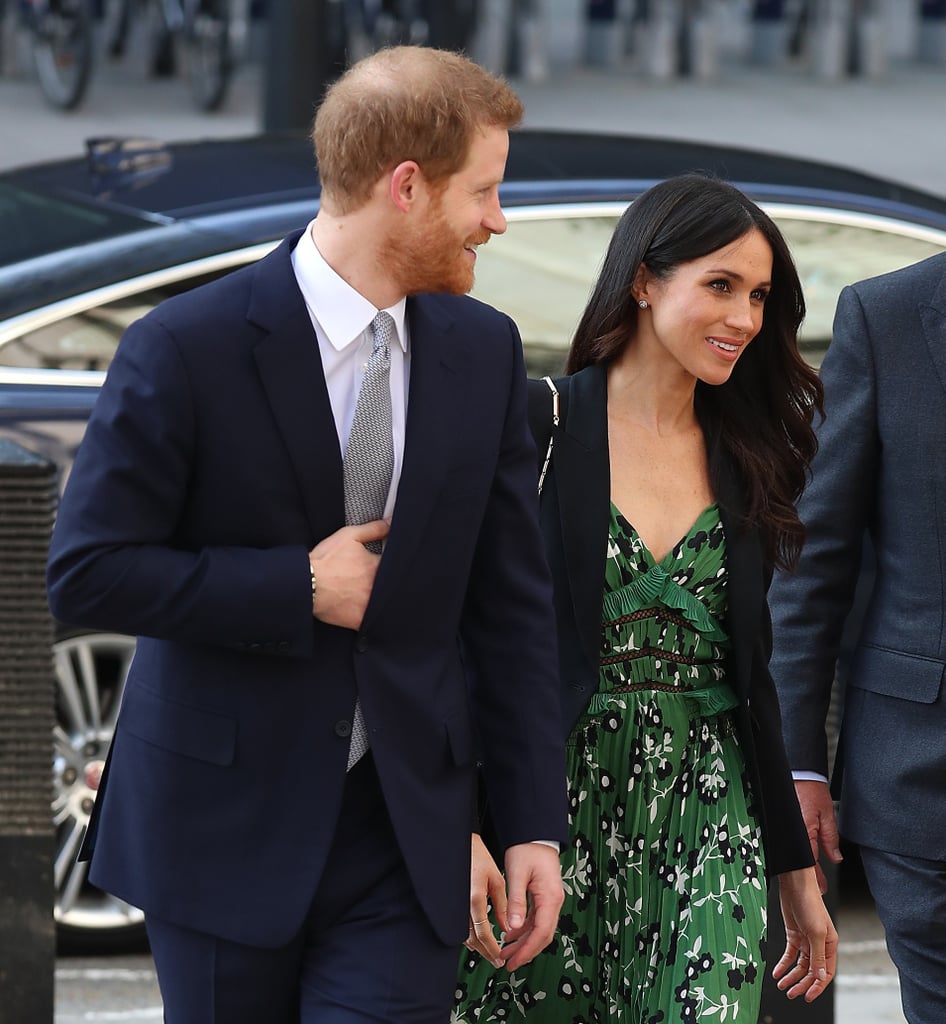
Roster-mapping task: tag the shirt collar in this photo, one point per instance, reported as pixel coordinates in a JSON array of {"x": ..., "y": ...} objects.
[{"x": 343, "y": 313}]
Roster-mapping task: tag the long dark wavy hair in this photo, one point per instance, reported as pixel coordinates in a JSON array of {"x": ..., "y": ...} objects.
[{"x": 761, "y": 417}]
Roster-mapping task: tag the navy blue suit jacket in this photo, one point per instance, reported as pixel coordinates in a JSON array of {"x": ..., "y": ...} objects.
[{"x": 211, "y": 465}]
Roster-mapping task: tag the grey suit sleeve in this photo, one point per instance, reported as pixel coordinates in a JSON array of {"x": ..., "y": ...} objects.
[{"x": 809, "y": 607}]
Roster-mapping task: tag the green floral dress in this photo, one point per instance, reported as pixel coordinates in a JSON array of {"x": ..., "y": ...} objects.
[{"x": 665, "y": 900}]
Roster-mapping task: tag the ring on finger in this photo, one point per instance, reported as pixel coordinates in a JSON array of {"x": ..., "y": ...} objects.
[{"x": 476, "y": 924}]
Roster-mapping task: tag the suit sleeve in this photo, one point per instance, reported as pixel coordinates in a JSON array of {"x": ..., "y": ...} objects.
[
  {"x": 510, "y": 638},
  {"x": 809, "y": 607},
  {"x": 117, "y": 561}
]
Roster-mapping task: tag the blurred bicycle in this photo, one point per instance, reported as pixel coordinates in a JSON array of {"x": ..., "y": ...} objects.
[
  {"x": 373, "y": 24},
  {"x": 206, "y": 33},
  {"x": 61, "y": 41}
]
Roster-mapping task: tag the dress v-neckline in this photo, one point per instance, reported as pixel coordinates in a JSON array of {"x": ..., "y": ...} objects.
[{"x": 646, "y": 550}]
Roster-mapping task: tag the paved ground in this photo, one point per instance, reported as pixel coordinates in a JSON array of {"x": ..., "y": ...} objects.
[
  {"x": 123, "y": 990},
  {"x": 895, "y": 127}
]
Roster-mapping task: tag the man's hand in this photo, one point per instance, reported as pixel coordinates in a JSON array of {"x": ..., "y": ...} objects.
[
  {"x": 817, "y": 809},
  {"x": 487, "y": 888},
  {"x": 344, "y": 573},
  {"x": 535, "y": 896}
]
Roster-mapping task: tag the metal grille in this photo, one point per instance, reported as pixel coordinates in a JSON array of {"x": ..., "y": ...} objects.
[{"x": 27, "y": 508}]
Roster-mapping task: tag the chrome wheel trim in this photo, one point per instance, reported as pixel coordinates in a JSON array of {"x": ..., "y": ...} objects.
[{"x": 91, "y": 669}]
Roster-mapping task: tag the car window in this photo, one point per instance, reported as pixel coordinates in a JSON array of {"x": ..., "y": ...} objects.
[
  {"x": 33, "y": 224},
  {"x": 87, "y": 339},
  {"x": 84, "y": 341},
  {"x": 541, "y": 271},
  {"x": 830, "y": 256}
]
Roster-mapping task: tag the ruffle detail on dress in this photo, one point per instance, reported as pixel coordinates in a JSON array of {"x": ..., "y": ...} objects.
[
  {"x": 704, "y": 703},
  {"x": 657, "y": 585},
  {"x": 713, "y": 700}
]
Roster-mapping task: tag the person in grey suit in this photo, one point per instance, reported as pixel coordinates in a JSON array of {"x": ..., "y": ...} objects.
[{"x": 879, "y": 474}]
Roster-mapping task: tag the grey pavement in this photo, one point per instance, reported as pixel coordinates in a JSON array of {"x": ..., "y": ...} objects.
[
  {"x": 123, "y": 990},
  {"x": 894, "y": 126}
]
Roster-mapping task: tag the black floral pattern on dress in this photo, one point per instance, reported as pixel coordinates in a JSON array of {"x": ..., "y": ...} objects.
[{"x": 664, "y": 916}]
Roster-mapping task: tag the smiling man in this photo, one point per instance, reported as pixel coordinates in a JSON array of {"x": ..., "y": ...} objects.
[{"x": 301, "y": 486}]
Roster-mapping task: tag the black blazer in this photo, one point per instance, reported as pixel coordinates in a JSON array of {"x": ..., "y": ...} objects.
[{"x": 575, "y": 503}]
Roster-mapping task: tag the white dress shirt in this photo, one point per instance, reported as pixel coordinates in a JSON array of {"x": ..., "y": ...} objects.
[{"x": 342, "y": 319}]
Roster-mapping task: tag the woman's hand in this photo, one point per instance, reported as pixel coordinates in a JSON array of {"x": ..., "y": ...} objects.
[
  {"x": 810, "y": 959},
  {"x": 487, "y": 888}
]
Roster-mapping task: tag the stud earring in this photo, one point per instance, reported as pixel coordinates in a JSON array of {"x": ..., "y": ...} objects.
[{"x": 642, "y": 303}]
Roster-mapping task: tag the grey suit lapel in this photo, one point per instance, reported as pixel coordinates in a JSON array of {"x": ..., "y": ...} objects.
[{"x": 933, "y": 321}]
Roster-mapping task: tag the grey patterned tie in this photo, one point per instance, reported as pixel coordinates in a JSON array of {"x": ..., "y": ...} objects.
[{"x": 368, "y": 464}]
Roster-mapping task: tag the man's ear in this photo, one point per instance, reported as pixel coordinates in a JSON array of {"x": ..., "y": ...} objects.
[{"x": 406, "y": 183}]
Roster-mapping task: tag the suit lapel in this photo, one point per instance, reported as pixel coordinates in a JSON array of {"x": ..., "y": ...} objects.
[
  {"x": 933, "y": 319},
  {"x": 436, "y": 375},
  {"x": 583, "y": 487},
  {"x": 290, "y": 369}
]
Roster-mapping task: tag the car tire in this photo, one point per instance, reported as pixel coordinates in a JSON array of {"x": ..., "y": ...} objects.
[{"x": 90, "y": 673}]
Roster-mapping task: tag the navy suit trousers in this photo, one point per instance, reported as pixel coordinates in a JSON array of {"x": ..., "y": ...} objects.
[{"x": 367, "y": 952}]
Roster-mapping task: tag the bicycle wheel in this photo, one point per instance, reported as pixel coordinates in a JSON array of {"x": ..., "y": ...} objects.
[
  {"x": 62, "y": 44},
  {"x": 210, "y": 58}
]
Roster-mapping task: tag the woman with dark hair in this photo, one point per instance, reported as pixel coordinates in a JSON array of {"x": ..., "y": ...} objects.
[{"x": 681, "y": 440}]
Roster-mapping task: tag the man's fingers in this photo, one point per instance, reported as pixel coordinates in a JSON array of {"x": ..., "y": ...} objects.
[
  {"x": 497, "y": 899},
  {"x": 517, "y": 906},
  {"x": 831, "y": 839},
  {"x": 377, "y": 529},
  {"x": 534, "y": 886}
]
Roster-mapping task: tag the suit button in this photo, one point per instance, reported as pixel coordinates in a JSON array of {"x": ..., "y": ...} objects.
[
  {"x": 343, "y": 728},
  {"x": 361, "y": 644}
]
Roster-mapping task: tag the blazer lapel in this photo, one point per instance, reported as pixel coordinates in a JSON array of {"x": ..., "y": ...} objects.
[
  {"x": 582, "y": 477},
  {"x": 744, "y": 562},
  {"x": 290, "y": 369}
]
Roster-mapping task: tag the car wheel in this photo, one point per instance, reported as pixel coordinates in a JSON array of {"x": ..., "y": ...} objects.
[{"x": 91, "y": 669}]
